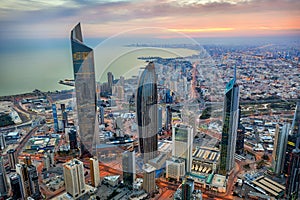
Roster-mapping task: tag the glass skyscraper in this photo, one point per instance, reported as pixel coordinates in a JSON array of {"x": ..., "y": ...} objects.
[
  {"x": 230, "y": 124},
  {"x": 147, "y": 112},
  {"x": 85, "y": 86}
]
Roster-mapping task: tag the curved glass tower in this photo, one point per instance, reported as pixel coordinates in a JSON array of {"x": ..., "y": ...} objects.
[
  {"x": 85, "y": 86},
  {"x": 230, "y": 123},
  {"x": 147, "y": 112}
]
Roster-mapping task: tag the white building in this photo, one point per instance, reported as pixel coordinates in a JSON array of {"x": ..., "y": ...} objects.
[{"x": 175, "y": 168}]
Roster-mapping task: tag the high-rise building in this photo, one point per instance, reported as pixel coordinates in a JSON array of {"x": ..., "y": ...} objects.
[
  {"x": 85, "y": 86},
  {"x": 146, "y": 110},
  {"x": 175, "y": 168},
  {"x": 230, "y": 125},
  {"x": 3, "y": 180},
  {"x": 168, "y": 124},
  {"x": 101, "y": 116},
  {"x": 149, "y": 178},
  {"x": 240, "y": 136},
  {"x": 64, "y": 115},
  {"x": 16, "y": 187},
  {"x": 74, "y": 177},
  {"x": 95, "y": 174},
  {"x": 182, "y": 137},
  {"x": 129, "y": 171},
  {"x": 159, "y": 118},
  {"x": 21, "y": 169},
  {"x": 12, "y": 158},
  {"x": 34, "y": 182},
  {"x": 187, "y": 189},
  {"x": 110, "y": 80},
  {"x": 73, "y": 138},
  {"x": 27, "y": 160},
  {"x": 280, "y": 143},
  {"x": 55, "y": 119},
  {"x": 292, "y": 160},
  {"x": 2, "y": 141}
]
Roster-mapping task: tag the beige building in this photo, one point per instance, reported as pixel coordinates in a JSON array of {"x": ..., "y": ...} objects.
[
  {"x": 149, "y": 178},
  {"x": 95, "y": 175},
  {"x": 175, "y": 168},
  {"x": 74, "y": 178}
]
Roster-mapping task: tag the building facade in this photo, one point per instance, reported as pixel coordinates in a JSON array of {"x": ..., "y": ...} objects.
[
  {"x": 129, "y": 170},
  {"x": 182, "y": 137},
  {"x": 95, "y": 174},
  {"x": 85, "y": 86},
  {"x": 3, "y": 180},
  {"x": 230, "y": 125},
  {"x": 146, "y": 109},
  {"x": 74, "y": 177},
  {"x": 280, "y": 143}
]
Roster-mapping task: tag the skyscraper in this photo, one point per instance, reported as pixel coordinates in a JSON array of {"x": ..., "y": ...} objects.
[
  {"x": 182, "y": 137},
  {"x": 129, "y": 171},
  {"x": 95, "y": 175},
  {"x": 85, "y": 86},
  {"x": 240, "y": 136},
  {"x": 187, "y": 189},
  {"x": 149, "y": 178},
  {"x": 21, "y": 169},
  {"x": 74, "y": 177},
  {"x": 110, "y": 80},
  {"x": 230, "y": 124},
  {"x": 16, "y": 186},
  {"x": 293, "y": 158},
  {"x": 280, "y": 143},
  {"x": 146, "y": 110},
  {"x": 54, "y": 113},
  {"x": 159, "y": 118},
  {"x": 2, "y": 141},
  {"x": 73, "y": 138},
  {"x": 12, "y": 158},
  {"x": 34, "y": 182},
  {"x": 3, "y": 180}
]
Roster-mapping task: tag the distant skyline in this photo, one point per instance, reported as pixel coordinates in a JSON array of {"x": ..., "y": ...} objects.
[{"x": 196, "y": 18}]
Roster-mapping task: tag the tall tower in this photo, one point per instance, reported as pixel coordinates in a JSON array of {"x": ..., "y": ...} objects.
[
  {"x": 85, "y": 86},
  {"x": 2, "y": 141},
  {"x": 34, "y": 182},
  {"x": 54, "y": 113},
  {"x": 129, "y": 171},
  {"x": 95, "y": 175},
  {"x": 187, "y": 189},
  {"x": 230, "y": 124},
  {"x": 74, "y": 177},
  {"x": 3, "y": 180},
  {"x": 21, "y": 169},
  {"x": 182, "y": 136},
  {"x": 147, "y": 112},
  {"x": 110, "y": 79},
  {"x": 292, "y": 160},
  {"x": 16, "y": 186},
  {"x": 12, "y": 158},
  {"x": 280, "y": 143}
]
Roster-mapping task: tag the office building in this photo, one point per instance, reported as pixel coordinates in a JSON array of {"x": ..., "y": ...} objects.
[
  {"x": 146, "y": 110},
  {"x": 73, "y": 138},
  {"x": 129, "y": 170},
  {"x": 101, "y": 116},
  {"x": 85, "y": 86},
  {"x": 293, "y": 158},
  {"x": 159, "y": 118},
  {"x": 12, "y": 158},
  {"x": 230, "y": 125},
  {"x": 95, "y": 174},
  {"x": 16, "y": 186},
  {"x": 149, "y": 178},
  {"x": 240, "y": 136},
  {"x": 168, "y": 124},
  {"x": 182, "y": 137},
  {"x": 280, "y": 143},
  {"x": 110, "y": 80},
  {"x": 3, "y": 180},
  {"x": 34, "y": 182},
  {"x": 64, "y": 115},
  {"x": 187, "y": 189},
  {"x": 74, "y": 178},
  {"x": 21, "y": 169},
  {"x": 175, "y": 168},
  {"x": 2, "y": 141},
  {"x": 55, "y": 119}
]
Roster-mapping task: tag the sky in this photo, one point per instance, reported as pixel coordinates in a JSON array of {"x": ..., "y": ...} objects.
[{"x": 104, "y": 18}]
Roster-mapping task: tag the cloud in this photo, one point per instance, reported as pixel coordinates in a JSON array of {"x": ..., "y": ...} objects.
[{"x": 185, "y": 15}]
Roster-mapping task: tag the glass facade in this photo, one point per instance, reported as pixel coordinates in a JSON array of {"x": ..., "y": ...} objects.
[
  {"x": 147, "y": 112},
  {"x": 229, "y": 130},
  {"x": 85, "y": 86}
]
